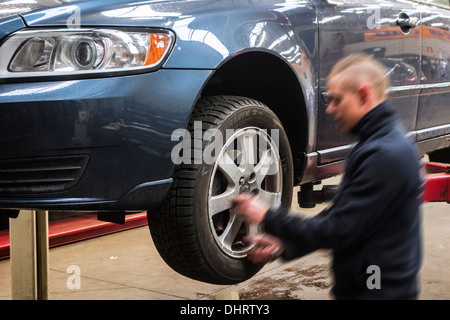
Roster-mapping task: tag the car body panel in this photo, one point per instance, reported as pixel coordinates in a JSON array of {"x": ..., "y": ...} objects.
[
  {"x": 352, "y": 26},
  {"x": 9, "y": 25},
  {"x": 93, "y": 113},
  {"x": 434, "y": 109},
  {"x": 124, "y": 124}
]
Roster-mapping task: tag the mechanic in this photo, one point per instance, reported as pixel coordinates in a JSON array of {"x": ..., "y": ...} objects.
[{"x": 373, "y": 223}]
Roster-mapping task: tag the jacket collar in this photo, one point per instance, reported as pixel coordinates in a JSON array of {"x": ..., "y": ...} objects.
[{"x": 374, "y": 120}]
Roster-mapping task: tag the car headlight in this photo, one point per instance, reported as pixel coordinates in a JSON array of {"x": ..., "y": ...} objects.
[{"x": 40, "y": 53}]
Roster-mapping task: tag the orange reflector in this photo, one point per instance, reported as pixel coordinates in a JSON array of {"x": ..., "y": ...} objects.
[{"x": 158, "y": 46}]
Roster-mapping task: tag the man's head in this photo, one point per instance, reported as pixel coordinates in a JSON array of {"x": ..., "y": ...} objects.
[{"x": 356, "y": 85}]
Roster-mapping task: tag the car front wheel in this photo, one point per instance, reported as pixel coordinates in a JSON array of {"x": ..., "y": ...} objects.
[{"x": 233, "y": 145}]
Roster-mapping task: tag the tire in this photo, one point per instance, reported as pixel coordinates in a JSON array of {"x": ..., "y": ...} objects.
[{"x": 196, "y": 230}]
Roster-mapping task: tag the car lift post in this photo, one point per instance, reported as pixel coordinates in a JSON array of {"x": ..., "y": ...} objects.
[{"x": 29, "y": 247}]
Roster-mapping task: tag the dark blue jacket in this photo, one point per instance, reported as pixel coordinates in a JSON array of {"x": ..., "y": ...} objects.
[{"x": 374, "y": 220}]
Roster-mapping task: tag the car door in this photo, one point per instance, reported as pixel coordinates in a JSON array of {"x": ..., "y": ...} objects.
[
  {"x": 434, "y": 107},
  {"x": 369, "y": 26}
]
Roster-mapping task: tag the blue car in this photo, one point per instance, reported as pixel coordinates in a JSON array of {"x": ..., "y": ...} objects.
[{"x": 174, "y": 107}]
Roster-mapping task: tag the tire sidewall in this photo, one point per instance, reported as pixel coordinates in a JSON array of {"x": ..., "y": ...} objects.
[{"x": 252, "y": 115}]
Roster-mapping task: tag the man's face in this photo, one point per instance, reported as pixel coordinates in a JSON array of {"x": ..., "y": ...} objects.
[{"x": 345, "y": 106}]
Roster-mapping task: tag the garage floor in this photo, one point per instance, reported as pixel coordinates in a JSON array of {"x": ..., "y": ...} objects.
[{"x": 126, "y": 265}]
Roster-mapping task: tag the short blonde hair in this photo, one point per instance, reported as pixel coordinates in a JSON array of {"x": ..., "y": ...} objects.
[{"x": 357, "y": 69}]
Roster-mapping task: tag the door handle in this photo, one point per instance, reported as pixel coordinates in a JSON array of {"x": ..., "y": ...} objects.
[{"x": 405, "y": 23}]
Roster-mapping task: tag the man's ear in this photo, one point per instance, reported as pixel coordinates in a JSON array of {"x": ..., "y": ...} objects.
[{"x": 365, "y": 93}]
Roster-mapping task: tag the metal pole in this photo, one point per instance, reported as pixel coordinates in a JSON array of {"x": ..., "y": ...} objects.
[
  {"x": 42, "y": 254},
  {"x": 29, "y": 255}
]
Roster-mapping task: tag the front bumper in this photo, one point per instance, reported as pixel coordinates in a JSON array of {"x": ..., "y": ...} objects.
[{"x": 93, "y": 144}]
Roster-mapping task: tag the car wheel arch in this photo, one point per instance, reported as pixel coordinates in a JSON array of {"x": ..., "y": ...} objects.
[{"x": 268, "y": 78}]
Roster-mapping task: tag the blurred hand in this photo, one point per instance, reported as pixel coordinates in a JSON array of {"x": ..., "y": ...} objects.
[
  {"x": 249, "y": 208},
  {"x": 265, "y": 248}
]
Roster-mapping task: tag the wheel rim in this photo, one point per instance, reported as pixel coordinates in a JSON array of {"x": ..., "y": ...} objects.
[{"x": 248, "y": 162}]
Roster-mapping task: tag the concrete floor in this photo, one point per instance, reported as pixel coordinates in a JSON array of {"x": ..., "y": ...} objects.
[{"x": 126, "y": 265}]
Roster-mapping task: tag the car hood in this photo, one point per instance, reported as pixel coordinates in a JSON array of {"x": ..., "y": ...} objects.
[
  {"x": 10, "y": 11},
  {"x": 142, "y": 13},
  {"x": 12, "y": 8},
  {"x": 18, "y": 14}
]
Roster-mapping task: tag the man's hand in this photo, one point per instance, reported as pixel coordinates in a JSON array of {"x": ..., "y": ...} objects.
[
  {"x": 249, "y": 208},
  {"x": 265, "y": 249}
]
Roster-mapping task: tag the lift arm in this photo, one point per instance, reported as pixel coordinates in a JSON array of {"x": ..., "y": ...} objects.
[
  {"x": 437, "y": 182},
  {"x": 437, "y": 185}
]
